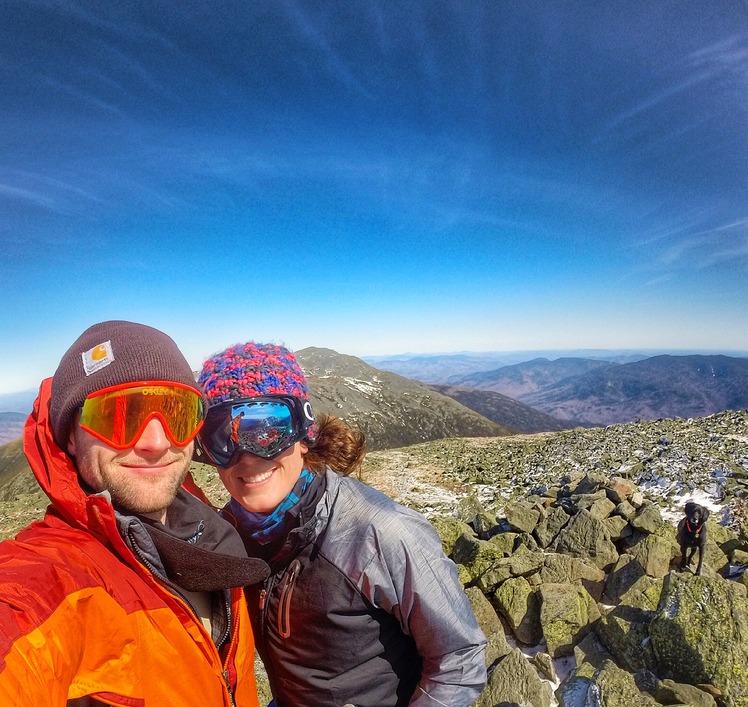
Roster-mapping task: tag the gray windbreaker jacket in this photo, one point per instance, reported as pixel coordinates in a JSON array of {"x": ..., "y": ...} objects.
[{"x": 363, "y": 608}]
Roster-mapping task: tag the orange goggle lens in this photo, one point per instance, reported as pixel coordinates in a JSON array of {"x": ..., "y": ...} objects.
[{"x": 118, "y": 415}]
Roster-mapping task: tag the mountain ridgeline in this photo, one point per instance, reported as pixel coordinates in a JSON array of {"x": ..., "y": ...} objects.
[{"x": 393, "y": 411}]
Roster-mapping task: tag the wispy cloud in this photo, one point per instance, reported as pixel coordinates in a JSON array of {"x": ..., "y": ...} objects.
[
  {"x": 727, "y": 243},
  {"x": 312, "y": 33}
]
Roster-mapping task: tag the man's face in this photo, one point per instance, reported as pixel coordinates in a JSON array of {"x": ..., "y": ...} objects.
[{"x": 143, "y": 478}]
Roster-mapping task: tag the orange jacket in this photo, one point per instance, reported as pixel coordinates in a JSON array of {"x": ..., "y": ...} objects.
[{"x": 79, "y": 615}]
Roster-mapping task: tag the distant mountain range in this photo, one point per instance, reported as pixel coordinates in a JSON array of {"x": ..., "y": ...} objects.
[
  {"x": 595, "y": 392},
  {"x": 503, "y": 409}
]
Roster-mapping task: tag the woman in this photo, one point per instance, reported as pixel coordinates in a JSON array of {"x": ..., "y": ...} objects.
[{"x": 362, "y": 607}]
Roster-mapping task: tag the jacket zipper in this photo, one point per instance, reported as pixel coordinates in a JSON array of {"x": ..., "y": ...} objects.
[
  {"x": 135, "y": 548},
  {"x": 284, "y": 606}
]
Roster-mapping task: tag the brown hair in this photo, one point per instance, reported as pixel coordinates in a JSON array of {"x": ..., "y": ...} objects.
[{"x": 337, "y": 445}]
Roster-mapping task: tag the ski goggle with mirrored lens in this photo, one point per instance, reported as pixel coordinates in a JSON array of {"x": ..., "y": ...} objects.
[
  {"x": 119, "y": 414},
  {"x": 265, "y": 426}
]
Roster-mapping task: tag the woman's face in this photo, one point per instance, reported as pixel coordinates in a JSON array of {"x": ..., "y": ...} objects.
[{"x": 261, "y": 484}]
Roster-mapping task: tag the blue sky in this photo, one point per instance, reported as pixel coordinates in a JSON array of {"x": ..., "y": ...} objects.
[{"x": 373, "y": 177}]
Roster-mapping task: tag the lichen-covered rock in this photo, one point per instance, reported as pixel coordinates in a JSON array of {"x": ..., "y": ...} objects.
[
  {"x": 544, "y": 665},
  {"x": 613, "y": 687},
  {"x": 521, "y": 516},
  {"x": 700, "y": 634},
  {"x": 550, "y": 525},
  {"x": 602, "y": 508},
  {"x": 474, "y": 554},
  {"x": 587, "y": 537},
  {"x": 591, "y": 650},
  {"x": 653, "y": 553},
  {"x": 506, "y": 542},
  {"x": 520, "y": 564},
  {"x": 515, "y": 682},
  {"x": 484, "y": 524},
  {"x": 490, "y": 624},
  {"x": 449, "y": 530},
  {"x": 625, "y": 510},
  {"x": 485, "y": 614},
  {"x": 714, "y": 557},
  {"x": 648, "y": 519},
  {"x": 562, "y": 568},
  {"x": 673, "y": 693},
  {"x": 567, "y": 613},
  {"x": 617, "y": 527},
  {"x": 624, "y": 631},
  {"x": 622, "y": 577},
  {"x": 519, "y": 603}
]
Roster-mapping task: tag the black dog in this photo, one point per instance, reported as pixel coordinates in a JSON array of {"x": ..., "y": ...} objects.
[{"x": 692, "y": 534}]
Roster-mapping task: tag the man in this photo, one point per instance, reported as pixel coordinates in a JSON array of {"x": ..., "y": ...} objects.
[{"x": 127, "y": 593}]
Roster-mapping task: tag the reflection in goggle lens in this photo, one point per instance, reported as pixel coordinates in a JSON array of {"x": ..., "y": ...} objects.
[{"x": 260, "y": 426}]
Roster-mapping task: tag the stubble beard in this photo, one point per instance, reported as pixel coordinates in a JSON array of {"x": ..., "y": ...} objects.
[{"x": 134, "y": 492}]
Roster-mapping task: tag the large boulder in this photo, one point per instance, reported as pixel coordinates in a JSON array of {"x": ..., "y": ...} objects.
[
  {"x": 550, "y": 525},
  {"x": 475, "y": 555},
  {"x": 567, "y": 614},
  {"x": 673, "y": 693},
  {"x": 515, "y": 682},
  {"x": 564, "y": 569},
  {"x": 490, "y": 624},
  {"x": 653, "y": 553},
  {"x": 449, "y": 530},
  {"x": 647, "y": 519},
  {"x": 622, "y": 577},
  {"x": 624, "y": 631},
  {"x": 604, "y": 686},
  {"x": 613, "y": 687},
  {"x": 521, "y": 516},
  {"x": 519, "y": 603},
  {"x": 587, "y": 537},
  {"x": 521, "y": 564},
  {"x": 700, "y": 634}
]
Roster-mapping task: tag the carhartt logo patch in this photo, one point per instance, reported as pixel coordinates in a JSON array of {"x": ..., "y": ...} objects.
[{"x": 98, "y": 357}]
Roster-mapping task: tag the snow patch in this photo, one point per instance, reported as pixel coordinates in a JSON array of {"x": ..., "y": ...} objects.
[{"x": 365, "y": 387}]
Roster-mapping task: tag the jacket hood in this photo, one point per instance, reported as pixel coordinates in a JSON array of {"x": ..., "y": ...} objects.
[{"x": 53, "y": 468}]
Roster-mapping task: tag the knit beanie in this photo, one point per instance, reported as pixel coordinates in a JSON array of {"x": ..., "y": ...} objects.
[
  {"x": 248, "y": 370},
  {"x": 107, "y": 354}
]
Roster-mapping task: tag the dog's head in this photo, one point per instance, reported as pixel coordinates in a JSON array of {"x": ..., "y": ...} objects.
[{"x": 696, "y": 514}]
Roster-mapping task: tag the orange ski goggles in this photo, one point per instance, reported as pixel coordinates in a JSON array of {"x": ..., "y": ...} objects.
[{"x": 118, "y": 415}]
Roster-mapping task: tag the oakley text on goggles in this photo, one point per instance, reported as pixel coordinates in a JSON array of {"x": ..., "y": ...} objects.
[
  {"x": 265, "y": 426},
  {"x": 118, "y": 415}
]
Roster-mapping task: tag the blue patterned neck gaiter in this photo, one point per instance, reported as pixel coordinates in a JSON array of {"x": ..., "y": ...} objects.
[{"x": 264, "y": 527}]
